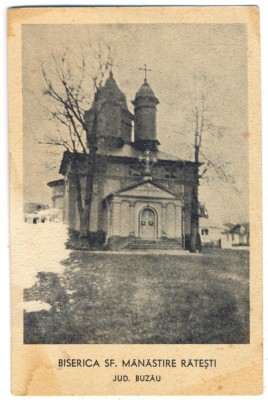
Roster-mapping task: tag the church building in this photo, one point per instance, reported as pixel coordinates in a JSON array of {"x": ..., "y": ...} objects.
[{"x": 142, "y": 197}]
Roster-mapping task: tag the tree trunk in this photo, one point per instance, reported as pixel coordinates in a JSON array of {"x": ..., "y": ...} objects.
[
  {"x": 195, "y": 238},
  {"x": 84, "y": 202},
  {"x": 85, "y": 215},
  {"x": 195, "y": 241},
  {"x": 79, "y": 198}
]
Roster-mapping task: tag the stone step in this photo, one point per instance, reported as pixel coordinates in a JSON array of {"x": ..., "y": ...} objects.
[
  {"x": 152, "y": 248},
  {"x": 139, "y": 244}
]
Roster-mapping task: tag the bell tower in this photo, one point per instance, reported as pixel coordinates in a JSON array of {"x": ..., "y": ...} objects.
[
  {"x": 109, "y": 111},
  {"x": 145, "y": 117}
]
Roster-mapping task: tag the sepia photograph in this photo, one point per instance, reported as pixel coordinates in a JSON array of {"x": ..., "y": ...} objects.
[
  {"x": 136, "y": 183},
  {"x": 135, "y": 159}
]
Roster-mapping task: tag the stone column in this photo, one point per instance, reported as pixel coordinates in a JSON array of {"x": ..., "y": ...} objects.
[
  {"x": 116, "y": 218},
  {"x": 131, "y": 219},
  {"x": 178, "y": 221},
  {"x": 164, "y": 220},
  {"x": 171, "y": 220},
  {"x": 107, "y": 227}
]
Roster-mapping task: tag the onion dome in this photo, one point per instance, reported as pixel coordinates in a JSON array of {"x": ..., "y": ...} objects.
[
  {"x": 145, "y": 91},
  {"x": 111, "y": 92}
]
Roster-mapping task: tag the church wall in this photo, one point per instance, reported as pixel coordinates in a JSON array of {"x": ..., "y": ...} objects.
[
  {"x": 115, "y": 169},
  {"x": 109, "y": 120},
  {"x": 106, "y": 219},
  {"x": 178, "y": 221},
  {"x": 113, "y": 176},
  {"x": 175, "y": 187},
  {"x": 116, "y": 178},
  {"x": 58, "y": 202},
  {"x": 125, "y": 218},
  {"x": 170, "y": 220},
  {"x": 116, "y": 218},
  {"x": 173, "y": 179},
  {"x": 145, "y": 123},
  {"x": 129, "y": 174},
  {"x": 57, "y": 190},
  {"x": 57, "y": 198},
  {"x": 94, "y": 214},
  {"x": 126, "y": 125},
  {"x": 110, "y": 186}
]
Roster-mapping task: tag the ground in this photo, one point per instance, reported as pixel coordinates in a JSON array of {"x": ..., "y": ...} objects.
[{"x": 142, "y": 298}]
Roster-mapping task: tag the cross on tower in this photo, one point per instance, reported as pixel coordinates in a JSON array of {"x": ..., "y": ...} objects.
[
  {"x": 145, "y": 69},
  {"x": 111, "y": 65}
]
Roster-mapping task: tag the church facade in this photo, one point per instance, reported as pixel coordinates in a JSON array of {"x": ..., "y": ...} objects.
[{"x": 141, "y": 196}]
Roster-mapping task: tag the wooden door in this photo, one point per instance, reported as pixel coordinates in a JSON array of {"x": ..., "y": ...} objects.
[{"x": 148, "y": 224}]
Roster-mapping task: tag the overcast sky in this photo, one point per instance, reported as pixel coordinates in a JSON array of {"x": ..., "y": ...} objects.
[{"x": 176, "y": 54}]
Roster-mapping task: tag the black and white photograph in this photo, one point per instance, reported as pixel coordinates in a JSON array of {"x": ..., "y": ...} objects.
[
  {"x": 135, "y": 199},
  {"x": 136, "y": 183}
]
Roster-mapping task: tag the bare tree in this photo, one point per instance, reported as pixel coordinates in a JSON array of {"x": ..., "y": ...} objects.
[
  {"x": 71, "y": 85},
  {"x": 204, "y": 129}
]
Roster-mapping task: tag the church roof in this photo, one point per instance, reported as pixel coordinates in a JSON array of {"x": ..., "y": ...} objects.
[
  {"x": 145, "y": 90},
  {"x": 58, "y": 182},
  {"x": 111, "y": 92},
  {"x": 127, "y": 151}
]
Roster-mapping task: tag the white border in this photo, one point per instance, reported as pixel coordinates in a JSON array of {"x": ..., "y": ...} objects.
[{"x": 4, "y": 248}]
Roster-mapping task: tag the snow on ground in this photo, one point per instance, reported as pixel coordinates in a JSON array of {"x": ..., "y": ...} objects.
[
  {"x": 36, "y": 305},
  {"x": 41, "y": 247}
]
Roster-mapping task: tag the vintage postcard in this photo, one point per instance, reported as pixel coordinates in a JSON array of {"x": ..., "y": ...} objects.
[{"x": 135, "y": 166}]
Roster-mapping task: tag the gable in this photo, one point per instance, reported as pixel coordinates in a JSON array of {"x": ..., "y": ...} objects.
[{"x": 147, "y": 189}]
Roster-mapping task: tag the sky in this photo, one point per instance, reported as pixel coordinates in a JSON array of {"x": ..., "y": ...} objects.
[{"x": 179, "y": 55}]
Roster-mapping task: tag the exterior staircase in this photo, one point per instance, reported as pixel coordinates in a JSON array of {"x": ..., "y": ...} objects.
[{"x": 160, "y": 244}]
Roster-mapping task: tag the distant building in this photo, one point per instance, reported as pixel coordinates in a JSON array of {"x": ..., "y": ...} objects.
[
  {"x": 57, "y": 197},
  {"x": 32, "y": 210},
  {"x": 224, "y": 236},
  {"x": 210, "y": 234},
  {"x": 235, "y": 235}
]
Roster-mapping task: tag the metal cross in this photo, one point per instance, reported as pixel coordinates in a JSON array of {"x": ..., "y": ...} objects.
[
  {"x": 147, "y": 162},
  {"x": 145, "y": 69},
  {"x": 111, "y": 65}
]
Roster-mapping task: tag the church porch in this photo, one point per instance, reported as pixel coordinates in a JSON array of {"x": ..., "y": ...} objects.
[{"x": 143, "y": 216}]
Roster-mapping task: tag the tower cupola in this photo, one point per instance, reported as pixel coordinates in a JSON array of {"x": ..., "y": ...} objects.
[
  {"x": 109, "y": 115},
  {"x": 145, "y": 118}
]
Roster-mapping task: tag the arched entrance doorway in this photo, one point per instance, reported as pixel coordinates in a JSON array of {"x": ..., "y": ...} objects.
[{"x": 148, "y": 223}]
